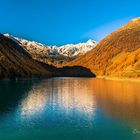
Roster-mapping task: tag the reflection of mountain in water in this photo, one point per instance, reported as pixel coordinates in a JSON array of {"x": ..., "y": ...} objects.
[
  {"x": 11, "y": 93},
  {"x": 119, "y": 99},
  {"x": 65, "y": 97},
  {"x": 35, "y": 101},
  {"x": 60, "y": 94}
]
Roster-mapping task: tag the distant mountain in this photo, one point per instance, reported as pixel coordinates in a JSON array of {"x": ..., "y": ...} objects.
[
  {"x": 117, "y": 55},
  {"x": 54, "y": 54},
  {"x": 17, "y": 62}
]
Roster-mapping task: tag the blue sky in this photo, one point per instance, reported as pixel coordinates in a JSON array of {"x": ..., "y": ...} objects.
[{"x": 58, "y": 22}]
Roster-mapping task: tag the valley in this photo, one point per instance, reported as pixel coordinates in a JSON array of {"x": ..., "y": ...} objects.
[{"x": 116, "y": 56}]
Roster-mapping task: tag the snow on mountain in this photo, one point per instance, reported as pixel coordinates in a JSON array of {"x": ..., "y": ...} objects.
[
  {"x": 76, "y": 49},
  {"x": 69, "y": 50},
  {"x": 12, "y": 38}
]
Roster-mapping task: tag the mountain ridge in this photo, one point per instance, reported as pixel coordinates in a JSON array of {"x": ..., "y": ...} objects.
[
  {"x": 84, "y": 46},
  {"x": 117, "y": 55},
  {"x": 54, "y": 55},
  {"x": 17, "y": 62}
]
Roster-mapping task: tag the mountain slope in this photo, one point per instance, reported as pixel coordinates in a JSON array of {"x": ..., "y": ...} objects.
[
  {"x": 17, "y": 62},
  {"x": 53, "y": 54},
  {"x": 117, "y": 55}
]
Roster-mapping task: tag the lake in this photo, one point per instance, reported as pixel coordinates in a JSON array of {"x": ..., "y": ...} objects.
[{"x": 69, "y": 109}]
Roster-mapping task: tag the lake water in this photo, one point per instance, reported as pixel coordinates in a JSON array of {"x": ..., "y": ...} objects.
[{"x": 69, "y": 109}]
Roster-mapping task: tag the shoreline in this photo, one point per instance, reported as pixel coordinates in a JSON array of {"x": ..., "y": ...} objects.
[{"x": 119, "y": 79}]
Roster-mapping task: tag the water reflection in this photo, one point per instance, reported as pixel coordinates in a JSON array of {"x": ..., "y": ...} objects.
[
  {"x": 11, "y": 94},
  {"x": 119, "y": 99},
  {"x": 59, "y": 94},
  {"x": 35, "y": 101},
  {"x": 71, "y": 108}
]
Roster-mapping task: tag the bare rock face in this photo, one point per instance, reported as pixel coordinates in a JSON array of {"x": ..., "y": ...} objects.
[{"x": 117, "y": 55}]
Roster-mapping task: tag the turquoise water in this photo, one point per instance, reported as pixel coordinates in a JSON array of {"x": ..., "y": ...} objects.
[{"x": 69, "y": 109}]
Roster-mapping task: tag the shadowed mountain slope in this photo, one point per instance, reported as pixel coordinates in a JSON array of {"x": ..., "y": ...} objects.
[{"x": 16, "y": 62}]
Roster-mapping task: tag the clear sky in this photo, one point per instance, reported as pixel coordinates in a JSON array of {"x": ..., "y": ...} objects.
[{"x": 57, "y": 22}]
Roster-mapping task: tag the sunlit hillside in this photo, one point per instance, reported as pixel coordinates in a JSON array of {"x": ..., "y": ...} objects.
[{"x": 116, "y": 55}]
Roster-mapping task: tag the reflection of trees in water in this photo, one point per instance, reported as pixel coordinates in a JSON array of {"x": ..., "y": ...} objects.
[{"x": 119, "y": 99}]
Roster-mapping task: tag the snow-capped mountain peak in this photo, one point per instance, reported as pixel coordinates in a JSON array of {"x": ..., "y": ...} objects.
[{"x": 69, "y": 50}]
